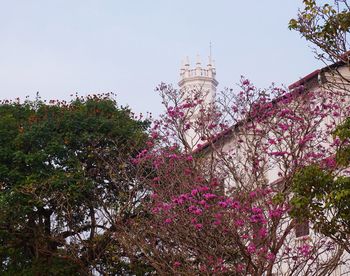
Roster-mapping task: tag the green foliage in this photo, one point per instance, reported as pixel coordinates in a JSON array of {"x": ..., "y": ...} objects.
[
  {"x": 65, "y": 175},
  {"x": 325, "y": 200},
  {"x": 326, "y": 26},
  {"x": 322, "y": 195}
]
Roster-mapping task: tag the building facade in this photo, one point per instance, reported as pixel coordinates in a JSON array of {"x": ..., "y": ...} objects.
[{"x": 328, "y": 86}]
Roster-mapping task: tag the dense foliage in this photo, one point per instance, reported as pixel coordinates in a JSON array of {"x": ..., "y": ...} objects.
[{"x": 65, "y": 180}]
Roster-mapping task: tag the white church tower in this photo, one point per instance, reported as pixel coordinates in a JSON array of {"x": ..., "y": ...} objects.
[
  {"x": 199, "y": 78},
  {"x": 198, "y": 81}
]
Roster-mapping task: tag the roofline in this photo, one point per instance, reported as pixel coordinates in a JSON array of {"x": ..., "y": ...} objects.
[
  {"x": 344, "y": 59},
  {"x": 294, "y": 87},
  {"x": 217, "y": 138},
  {"x": 305, "y": 79}
]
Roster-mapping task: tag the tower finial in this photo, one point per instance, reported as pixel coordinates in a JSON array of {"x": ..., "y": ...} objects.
[
  {"x": 210, "y": 49},
  {"x": 210, "y": 55},
  {"x": 198, "y": 62},
  {"x": 187, "y": 62}
]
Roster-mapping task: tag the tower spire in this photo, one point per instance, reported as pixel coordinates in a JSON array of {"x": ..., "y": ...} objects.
[
  {"x": 210, "y": 50},
  {"x": 210, "y": 59},
  {"x": 198, "y": 60}
]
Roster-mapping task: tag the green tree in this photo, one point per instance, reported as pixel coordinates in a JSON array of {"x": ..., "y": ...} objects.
[
  {"x": 322, "y": 192},
  {"x": 326, "y": 26},
  {"x": 66, "y": 181}
]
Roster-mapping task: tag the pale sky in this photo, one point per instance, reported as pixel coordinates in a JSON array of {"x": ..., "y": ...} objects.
[{"x": 59, "y": 47}]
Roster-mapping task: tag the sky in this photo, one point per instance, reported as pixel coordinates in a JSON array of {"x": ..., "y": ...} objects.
[{"x": 60, "y": 47}]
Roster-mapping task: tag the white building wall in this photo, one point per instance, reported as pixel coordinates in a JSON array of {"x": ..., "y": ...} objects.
[{"x": 231, "y": 144}]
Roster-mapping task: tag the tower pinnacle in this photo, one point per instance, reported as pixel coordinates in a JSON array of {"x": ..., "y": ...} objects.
[
  {"x": 199, "y": 78},
  {"x": 197, "y": 83}
]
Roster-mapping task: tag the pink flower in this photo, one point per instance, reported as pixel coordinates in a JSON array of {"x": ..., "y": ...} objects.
[
  {"x": 246, "y": 82},
  {"x": 252, "y": 194},
  {"x": 176, "y": 264},
  {"x": 304, "y": 250},
  {"x": 209, "y": 196},
  {"x": 187, "y": 105},
  {"x": 215, "y": 183},
  {"x": 166, "y": 206},
  {"x": 235, "y": 205},
  {"x": 336, "y": 141},
  {"x": 149, "y": 144},
  {"x": 222, "y": 204},
  {"x": 276, "y": 213},
  {"x": 203, "y": 189},
  {"x": 198, "y": 226},
  {"x": 178, "y": 201},
  {"x": 239, "y": 268},
  {"x": 154, "y": 135},
  {"x": 306, "y": 139},
  {"x": 256, "y": 210},
  {"x": 285, "y": 112},
  {"x": 251, "y": 248},
  {"x": 184, "y": 196},
  {"x": 278, "y": 153},
  {"x": 283, "y": 127},
  {"x": 202, "y": 202},
  {"x": 263, "y": 232},
  {"x": 168, "y": 220},
  {"x": 330, "y": 163},
  {"x": 270, "y": 256},
  {"x": 187, "y": 171},
  {"x": 258, "y": 218},
  {"x": 173, "y": 156},
  {"x": 195, "y": 210},
  {"x": 211, "y": 126},
  {"x": 194, "y": 192},
  {"x": 199, "y": 146}
]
